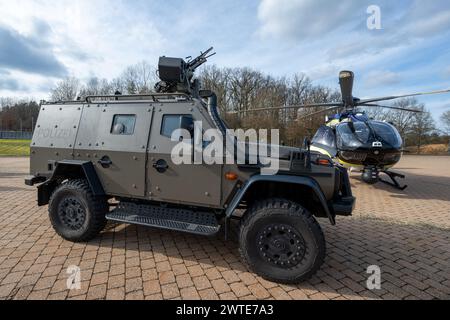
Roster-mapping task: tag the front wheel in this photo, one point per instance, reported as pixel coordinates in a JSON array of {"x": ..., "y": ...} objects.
[
  {"x": 281, "y": 241},
  {"x": 75, "y": 213}
]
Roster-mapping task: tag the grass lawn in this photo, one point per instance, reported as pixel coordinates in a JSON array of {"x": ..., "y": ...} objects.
[{"x": 14, "y": 148}]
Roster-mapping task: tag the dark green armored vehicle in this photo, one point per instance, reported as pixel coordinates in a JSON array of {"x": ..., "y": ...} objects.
[{"x": 111, "y": 158}]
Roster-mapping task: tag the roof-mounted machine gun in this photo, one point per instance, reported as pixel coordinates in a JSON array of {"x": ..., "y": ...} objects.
[{"x": 176, "y": 74}]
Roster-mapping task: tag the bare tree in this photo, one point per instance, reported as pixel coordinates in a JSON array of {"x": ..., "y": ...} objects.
[
  {"x": 422, "y": 126},
  {"x": 401, "y": 119},
  {"x": 298, "y": 89},
  {"x": 243, "y": 85},
  {"x": 379, "y": 114},
  {"x": 66, "y": 90},
  {"x": 218, "y": 80},
  {"x": 118, "y": 84},
  {"x": 244, "y": 89},
  {"x": 139, "y": 78},
  {"x": 445, "y": 119},
  {"x": 96, "y": 86},
  {"x": 7, "y": 101}
]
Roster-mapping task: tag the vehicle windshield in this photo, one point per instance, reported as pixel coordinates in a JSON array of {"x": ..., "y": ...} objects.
[{"x": 353, "y": 135}]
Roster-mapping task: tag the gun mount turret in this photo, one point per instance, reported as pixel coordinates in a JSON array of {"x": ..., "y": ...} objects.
[{"x": 177, "y": 75}]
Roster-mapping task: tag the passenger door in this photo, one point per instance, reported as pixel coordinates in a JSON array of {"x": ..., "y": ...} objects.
[
  {"x": 196, "y": 184},
  {"x": 115, "y": 138}
]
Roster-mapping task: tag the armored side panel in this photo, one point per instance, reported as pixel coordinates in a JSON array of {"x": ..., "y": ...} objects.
[
  {"x": 54, "y": 137},
  {"x": 114, "y": 137}
]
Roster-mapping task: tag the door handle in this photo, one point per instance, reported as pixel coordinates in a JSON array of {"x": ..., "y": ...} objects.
[
  {"x": 161, "y": 166},
  {"x": 105, "y": 162}
]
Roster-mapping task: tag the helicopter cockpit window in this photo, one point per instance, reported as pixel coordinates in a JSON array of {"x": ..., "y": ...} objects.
[
  {"x": 325, "y": 136},
  {"x": 387, "y": 134},
  {"x": 352, "y": 135},
  {"x": 359, "y": 134},
  {"x": 123, "y": 124}
]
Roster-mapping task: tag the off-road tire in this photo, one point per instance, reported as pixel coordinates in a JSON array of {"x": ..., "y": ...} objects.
[
  {"x": 301, "y": 224},
  {"x": 77, "y": 195}
]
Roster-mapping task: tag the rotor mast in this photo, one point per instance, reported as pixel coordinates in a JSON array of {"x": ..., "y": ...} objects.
[{"x": 346, "y": 79}]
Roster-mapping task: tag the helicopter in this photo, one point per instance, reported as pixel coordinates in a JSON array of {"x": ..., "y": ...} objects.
[{"x": 354, "y": 140}]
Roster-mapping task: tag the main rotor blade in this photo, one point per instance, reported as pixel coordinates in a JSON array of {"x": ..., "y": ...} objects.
[
  {"x": 390, "y": 107},
  {"x": 299, "y": 106},
  {"x": 318, "y": 112},
  {"x": 402, "y": 96}
]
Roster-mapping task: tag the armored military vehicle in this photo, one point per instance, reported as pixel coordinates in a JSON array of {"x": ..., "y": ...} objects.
[{"x": 109, "y": 158}]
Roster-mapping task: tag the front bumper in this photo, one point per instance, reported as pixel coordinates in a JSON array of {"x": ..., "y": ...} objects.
[
  {"x": 32, "y": 180},
  {"x": 344, "y": 202},
  {"x": 345, "y": 206}
]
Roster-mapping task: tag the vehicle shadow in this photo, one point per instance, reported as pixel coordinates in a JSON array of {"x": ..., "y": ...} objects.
[
  {"x": 412, "y": 258},
  {"x": 420, "y": 187}
]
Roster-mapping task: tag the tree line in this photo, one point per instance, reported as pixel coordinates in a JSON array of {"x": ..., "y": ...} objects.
[
  {"x": 239, "y": 90},
  {"x": 18, "y": 115}
]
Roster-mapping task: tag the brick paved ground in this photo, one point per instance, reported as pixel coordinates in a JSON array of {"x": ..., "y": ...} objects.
[{"x": 405, "y": 233}]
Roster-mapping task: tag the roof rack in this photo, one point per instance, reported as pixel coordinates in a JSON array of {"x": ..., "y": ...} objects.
[{"x": 152, "y": 97}]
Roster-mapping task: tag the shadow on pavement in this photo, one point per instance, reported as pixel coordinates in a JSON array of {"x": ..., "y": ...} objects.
[
  {"x": 414, "y": 259},
  {"x": 420, "y": 187}
]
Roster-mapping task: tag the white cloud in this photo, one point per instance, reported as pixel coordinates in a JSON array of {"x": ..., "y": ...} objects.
[
  {"x": 323, "y": 71},
  {"x": 380, "y": 78},
  {"x": 7, "y": 83},
  {"x": 28, "y": 53},
  {"x": 88, "y": 37},
  {"x": 426, "y": 18},
  {"x": 432, "y": 25},
  {"x": 303, "y": 19}
]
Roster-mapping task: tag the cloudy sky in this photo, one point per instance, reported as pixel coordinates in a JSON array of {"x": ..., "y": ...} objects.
[{"x": 43, "y": 41}]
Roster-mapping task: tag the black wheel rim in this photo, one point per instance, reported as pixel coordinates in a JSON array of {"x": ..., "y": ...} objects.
[
  {"x": 281, "y": 245},
  {"x": 72, "y": 213}
]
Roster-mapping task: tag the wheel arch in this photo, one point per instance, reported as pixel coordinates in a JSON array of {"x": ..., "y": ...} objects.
[
  {"x": 303, "y": 190},
  {"x": 70, "y": 169}
]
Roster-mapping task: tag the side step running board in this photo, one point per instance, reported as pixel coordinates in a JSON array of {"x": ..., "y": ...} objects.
[{"x": 202, "y": 223}]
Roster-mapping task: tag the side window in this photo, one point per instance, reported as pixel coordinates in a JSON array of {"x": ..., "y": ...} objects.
[
  {"x": 123, "y": 124},
  {"x": 172, "y": 122}
]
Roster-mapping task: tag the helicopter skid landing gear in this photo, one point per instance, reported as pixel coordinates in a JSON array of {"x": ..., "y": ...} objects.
[{"x": 394, "y": 183}]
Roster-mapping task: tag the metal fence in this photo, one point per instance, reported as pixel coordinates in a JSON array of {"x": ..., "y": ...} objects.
[{"x": 16, "y": 135}]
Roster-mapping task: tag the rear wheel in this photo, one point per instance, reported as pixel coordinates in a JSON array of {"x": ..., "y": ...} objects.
[
  {"x": 281, "y": 241},
  {"x": 75, "y": 213}
]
